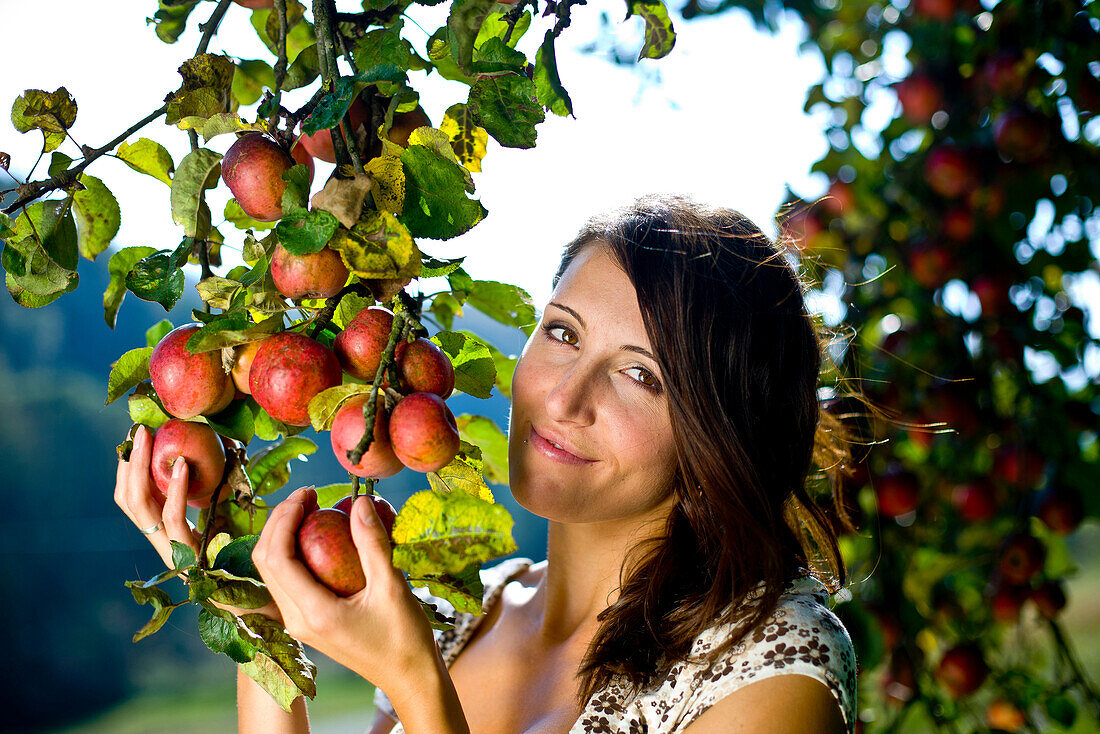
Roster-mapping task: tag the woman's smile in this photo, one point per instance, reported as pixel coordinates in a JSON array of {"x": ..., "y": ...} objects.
[{"x": 556, "y": 449}]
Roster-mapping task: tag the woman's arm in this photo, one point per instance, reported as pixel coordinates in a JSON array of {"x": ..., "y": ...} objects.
[
  {"x": 781, "y": 704},
  {"x": 257, "y": 712},
  {"x": 380, "y": 632}
]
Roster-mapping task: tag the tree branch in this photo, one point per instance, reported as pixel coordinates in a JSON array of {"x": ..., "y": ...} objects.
[
  {"x": 356, "y": 454},
  {"x": 280, "y": 65},
  {"x": 210, "y": 27},
  {"x": 31, "y": 191},
  {"x": 332, "y": 303},
  {"x": 323, "y": 13}
]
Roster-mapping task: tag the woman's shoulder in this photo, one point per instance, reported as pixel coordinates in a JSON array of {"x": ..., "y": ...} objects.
[{"x": 802, "y": 636}]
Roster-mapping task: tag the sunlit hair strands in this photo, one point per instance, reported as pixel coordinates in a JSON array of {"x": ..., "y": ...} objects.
[{"x": 740, "y": 358}]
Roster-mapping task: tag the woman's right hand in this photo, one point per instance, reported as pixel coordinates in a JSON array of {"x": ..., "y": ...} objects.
[
  {"x": 138, "y": 497},
  {"x": 162, "y": 521}
]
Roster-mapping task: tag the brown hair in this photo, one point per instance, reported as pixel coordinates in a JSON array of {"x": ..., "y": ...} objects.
[{"x": 740, "y": 358}]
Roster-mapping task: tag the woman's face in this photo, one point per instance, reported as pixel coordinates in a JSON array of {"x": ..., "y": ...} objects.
[{"x": 589, "y": 432}]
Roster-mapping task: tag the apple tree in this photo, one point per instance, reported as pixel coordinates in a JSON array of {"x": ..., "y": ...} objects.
[{"x": 326, "y": 322}]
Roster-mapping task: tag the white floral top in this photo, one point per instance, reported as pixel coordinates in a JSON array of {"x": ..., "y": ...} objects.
[{"x": 802, "y": 637}]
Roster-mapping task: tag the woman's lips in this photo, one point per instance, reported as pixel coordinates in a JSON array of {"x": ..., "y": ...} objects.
[{"x": 545, "y": 447}]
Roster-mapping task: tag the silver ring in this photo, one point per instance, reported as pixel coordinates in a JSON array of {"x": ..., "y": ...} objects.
[{"x": 153, "y": 529}]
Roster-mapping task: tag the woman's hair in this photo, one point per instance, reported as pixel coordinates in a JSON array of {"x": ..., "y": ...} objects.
[{"x": 740, "y": 359}]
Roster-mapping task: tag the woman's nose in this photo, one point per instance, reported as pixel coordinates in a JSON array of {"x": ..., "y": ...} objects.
[{"x": 573, "y": 398}]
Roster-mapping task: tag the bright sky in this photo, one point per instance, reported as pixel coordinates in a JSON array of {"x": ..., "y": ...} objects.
[{"x": 719, "y": 119}]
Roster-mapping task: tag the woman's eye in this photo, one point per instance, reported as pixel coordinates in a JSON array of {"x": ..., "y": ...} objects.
[
  {"x": 562, "y": 334},
  {"x": 643, "y": 377}
]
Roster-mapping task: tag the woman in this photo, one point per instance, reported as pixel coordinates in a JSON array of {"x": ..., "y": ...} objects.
[{"x": 663, "y": 420}]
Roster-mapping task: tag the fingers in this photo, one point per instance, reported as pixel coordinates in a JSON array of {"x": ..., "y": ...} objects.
[
  {"x": 175, "y": 508},
  {"x": 275, "y": 554},
  {"x": 369, "y": 536}
]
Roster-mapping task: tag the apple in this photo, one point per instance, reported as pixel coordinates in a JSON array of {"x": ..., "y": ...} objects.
[
  {"x": 1049, "y": 598},
  {"x": 1061, "y": 510},
  {"x": 1005, "y": 74},
  {"x": 1022, "y": 557},
  {"x": 423, "y": 432},
  {"x": 256, "y": 4},
  {"x": 1022, "y": 135},
  {"x": 425, "y": 367},
  {"x": 992, "y": 292},
  {"x": 349, "y": 425},
  {"x": 319, "y": 144},
  {"x": 243, "y": 355},
  {"x": 1018, "y": 467},
  {"x": 976, "y": 501},
  {"x": 386, "y": 513},
  {"x": 958, "y": 223},
  {"x": 289, "y": 369},
  {"x": 898, "y": 493},
  {"x": 201, "y": 448},
  {"x": 300, "y": 155},
  {"x": 252, "y": 169},
  {"x": 1004, "y": 715},
  {"x": 950, "y": 172},
  {"x": 962, "y": 670},
  {"x": 360, "y": 345},
  {"x": 402, "y": 127},
  {"x": 942, "y": 10},
  {"x": 383, "y": 289},
  {"x": 931, "y": 264},
  {"x": 1006, "y": 601},
  {"x": 189, "y": 384},
  {"x": 920, "y": 98},
  {"x": 326, "y": 548},
  {"x": 319, "y": 274}
]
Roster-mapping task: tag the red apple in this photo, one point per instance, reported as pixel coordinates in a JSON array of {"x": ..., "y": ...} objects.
[
  {"x": 958, "y": 223},
  {"x": 1022, "y": 557},
  {"x": 201, "y": 448},
  {"x": 423, "y": 432},
  {"x": 326, "y": 547},
  {"x": 931, "y": 264},
  {"x": 425, "y": 367},
  {"x": 920, "y": 98},
  {"x": 1005, "y": 74},
  {"x": 300, "y": 155},
  {"x": 256, "y": 4},
  {"x": 1022, "y": 135},
  {"x": 1018, "y": 467},
  {"x": 962, "y": 670},
  {"x": 976, "y": 501},
  {"x": 319, "y": 274},
  {"x": 386, "y": 513},
  {"x": 1005, "y": 603},
  {"x": 992, "y": 292},
  {"x": 252, "y": 169},
  {"x": 898, "y": 493},
  {"x": 348, "y": 427},
  {"x": 319, "y": 144},
  {"x": 1049, "y": 598},
  {"x": 288, "y": 370},
  {"x": 242, "y": 364},
  {"x": 950, "y": 172},
  {"x": 188, "y": 384},
  {"x": 1061, "y": 510},
  {"x": 360, "y": 345},
  {"x": 1004, "y": 716}
]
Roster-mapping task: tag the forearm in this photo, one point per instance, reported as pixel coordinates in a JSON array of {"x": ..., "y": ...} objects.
[
  {"x": 430, "y": 704},
  {"x": 257, "y": 712}
]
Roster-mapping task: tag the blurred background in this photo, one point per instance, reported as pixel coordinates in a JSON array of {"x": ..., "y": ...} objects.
[{"x": 963, "y": 293}]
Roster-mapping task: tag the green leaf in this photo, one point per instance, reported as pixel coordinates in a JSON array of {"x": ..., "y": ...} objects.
[
  {"x": 220, "y": 123},
  {"x": 349, "y": 306},
  {"x": 436, "y": 205},
  {"x": 299, "y": 35},
  {"x": 51, "y": 112},
  {"x": 158, "y": 277},
  {"x": 659, "y": 34},
  {"x": 284, "y": 650},
  {"x": 144, "y": 410},
  {"x": 325, "y": 404},
  {"x": 379, "y": 246},
  {"x": 182, "y": 555},
  {"x": 330, "y": 494},
  {"x": 240, "y": 220},
  {"x": 118, "y": 267},
  {"x": 231, "y": 329},
  {"x": 463, "y": 474},
  {"x": 508, "y": 108},
  {"x": 495, "y": 56},
  {"x": 97, "y": 216},
  {"x": 475, "y": 372},
  {"x": 548, "y": 87},
  {"x": 492, "y": 441},
  {"x": 495, "y": 26},
  {"x": 198, "y": 172},
  {"x": 171, "y": 20},
  {"x": 207, "y": 80},
  {"x": 306, "y": 232},
  {"x": 236, "y": 558},
  {"x": 505, "y": 366},
  {"x": 296, "y": 193},
  {"x": 504, "y": 302},
  {"x": 236, "y": 591},
  {"x": 304, "y": 71},
  {"x": 332, "y": 107},
  {"x": 463, "y": 25},
  {"x": 148, "y": 157},
  {"x": 383, "y": 46},
  {"x": 250, "y": 79},
  {"x": 160, "y": 601},
  {"x": 235, "y": 421},
  {"x": 130, "y": 369},
  {"x": 267, "y": 673},
  {"x": 464, "y": 591},
  {"x": 1062, "y": 710},
  {"x": 40, "y": 257},
  {"x": 221, "y": 636},
  {"x": 444, "y": 532},
  {"x": 269, "y": 469},
  {"x": 157, "y": 331},
  {"x": 432, "y": 267}
]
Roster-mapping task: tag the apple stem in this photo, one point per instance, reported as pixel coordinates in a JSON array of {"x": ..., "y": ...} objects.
[
  {"x": 396, "y": 330},
  {"x": 332, "y": 303}
]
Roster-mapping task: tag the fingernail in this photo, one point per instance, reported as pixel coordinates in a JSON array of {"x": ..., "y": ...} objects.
[
  {"x": 366, "y": 515},
  {"x": 177, "y": 467}
]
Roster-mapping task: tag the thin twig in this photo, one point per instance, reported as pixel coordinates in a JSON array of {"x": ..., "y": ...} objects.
[
  {"x": 210, "y": 27},
  {"x": 323, "y": 12},
  {"x": 333, "y": 302},
  {"x": 356, "y": 454},
  {"x": 32, "y": 191}
]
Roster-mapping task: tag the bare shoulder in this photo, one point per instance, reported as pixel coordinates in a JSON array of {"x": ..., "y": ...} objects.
[{"x": 782, "y": 704}]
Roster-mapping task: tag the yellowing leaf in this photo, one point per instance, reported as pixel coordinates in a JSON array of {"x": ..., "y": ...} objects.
[
  {"x": 468, "y": 140},
  {"x": 378, "y": 247},
  {"x": 444, "y": 532},
  {"x": 148, "y": 157},
  {"x": 387, "y": 183},
  {"x": 461, "y": 476}
]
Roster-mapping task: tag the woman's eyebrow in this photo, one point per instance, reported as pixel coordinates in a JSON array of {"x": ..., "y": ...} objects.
[{"x": 626, "y": 347}]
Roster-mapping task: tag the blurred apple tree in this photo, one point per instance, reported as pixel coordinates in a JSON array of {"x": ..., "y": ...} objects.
[{"x": 960, "y": 234}]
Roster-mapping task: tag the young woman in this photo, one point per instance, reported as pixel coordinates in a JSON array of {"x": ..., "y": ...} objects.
[{"x": 665, "y": 419}]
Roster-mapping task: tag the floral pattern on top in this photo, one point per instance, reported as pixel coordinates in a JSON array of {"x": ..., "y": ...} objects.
[{"x": 801, "y": 637}]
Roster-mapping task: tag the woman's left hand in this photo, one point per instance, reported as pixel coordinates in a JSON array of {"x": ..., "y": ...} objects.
[{"x": 379, "y": 632}]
